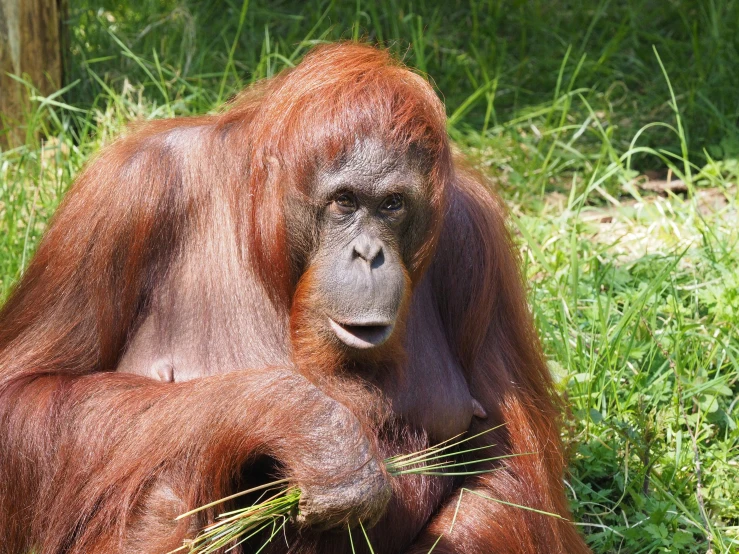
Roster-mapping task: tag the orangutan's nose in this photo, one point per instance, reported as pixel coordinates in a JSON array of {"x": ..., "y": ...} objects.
[{"x": 369, "y": 249}]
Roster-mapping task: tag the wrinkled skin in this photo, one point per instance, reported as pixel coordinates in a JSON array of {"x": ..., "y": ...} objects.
[{"x": 365, "y": 211}]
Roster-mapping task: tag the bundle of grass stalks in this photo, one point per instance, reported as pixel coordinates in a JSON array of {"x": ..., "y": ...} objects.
[{"x": 278, "y": 500}]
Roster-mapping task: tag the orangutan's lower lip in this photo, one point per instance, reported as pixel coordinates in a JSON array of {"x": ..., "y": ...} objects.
[{"x": 362, "y": 336}]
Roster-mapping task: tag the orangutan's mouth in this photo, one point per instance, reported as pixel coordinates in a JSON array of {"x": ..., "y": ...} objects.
[{"x": 362, "y": 335}]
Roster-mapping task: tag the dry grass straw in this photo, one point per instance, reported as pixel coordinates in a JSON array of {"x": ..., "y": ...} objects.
[{"x": 279, "y": 500}]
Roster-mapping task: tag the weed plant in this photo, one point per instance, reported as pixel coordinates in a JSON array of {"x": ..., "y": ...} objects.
[{"x": 279, "y": 500}]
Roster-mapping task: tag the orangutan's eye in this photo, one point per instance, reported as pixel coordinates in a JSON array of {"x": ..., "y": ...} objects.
[
  {"x": 393, "y": 203},
  {"x": 345, "y": 202}
]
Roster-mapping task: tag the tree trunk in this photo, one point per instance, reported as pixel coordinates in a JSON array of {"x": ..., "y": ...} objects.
[{"x": 31, "y": 42}]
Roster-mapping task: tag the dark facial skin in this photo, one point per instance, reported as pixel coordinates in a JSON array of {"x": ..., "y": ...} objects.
[{"x": 366, "y": 209}]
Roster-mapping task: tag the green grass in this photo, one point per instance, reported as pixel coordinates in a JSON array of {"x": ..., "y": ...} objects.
[{"x": 566, "y": 106}]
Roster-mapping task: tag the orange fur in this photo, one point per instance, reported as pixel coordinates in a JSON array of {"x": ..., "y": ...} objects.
[{"x": 92, "y": 460}]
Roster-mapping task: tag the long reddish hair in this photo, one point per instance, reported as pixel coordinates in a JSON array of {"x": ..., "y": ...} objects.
[{"x": 339, "y": 94}]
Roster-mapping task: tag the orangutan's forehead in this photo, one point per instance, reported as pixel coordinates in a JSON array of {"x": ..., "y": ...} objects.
[{"x": 372, "y": 166}]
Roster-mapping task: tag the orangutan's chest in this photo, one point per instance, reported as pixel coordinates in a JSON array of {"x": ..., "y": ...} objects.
[
  {"x": 431, "y": 391},
  {"x": 434, "y": 396}
]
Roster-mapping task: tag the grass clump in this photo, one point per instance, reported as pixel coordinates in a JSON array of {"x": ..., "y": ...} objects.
[
  {"x": 278, "y": 500},
  {"x": 271, "y": 510}
]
